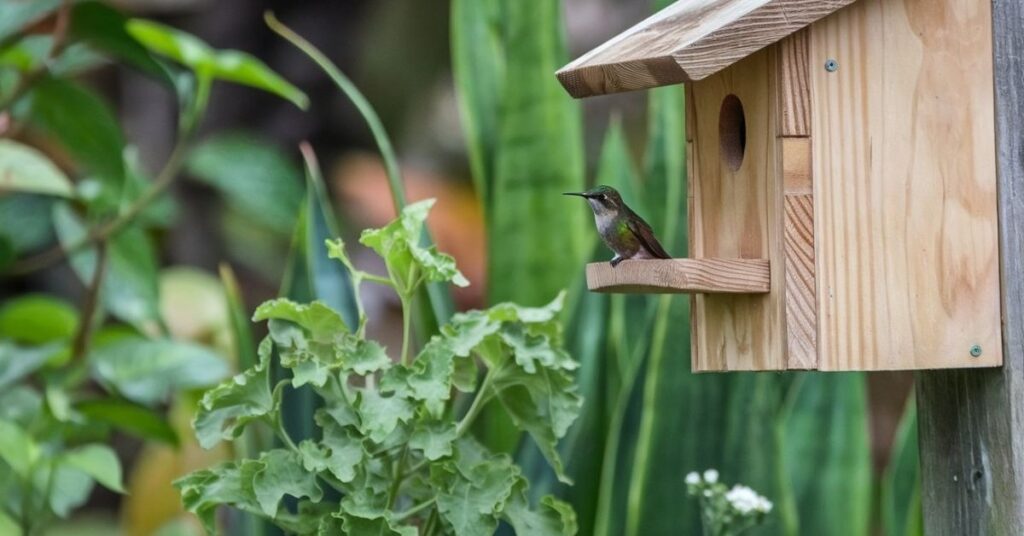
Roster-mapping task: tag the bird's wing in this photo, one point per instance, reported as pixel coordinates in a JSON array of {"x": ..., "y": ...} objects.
[{"x": 646, "y": 236}]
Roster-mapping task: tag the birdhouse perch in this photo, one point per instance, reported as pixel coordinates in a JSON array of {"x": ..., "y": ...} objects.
[{"x": 842, "y": 172}]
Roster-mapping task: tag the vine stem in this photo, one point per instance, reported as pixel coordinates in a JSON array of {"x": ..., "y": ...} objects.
[
  {"x": 414, "y": 510},
  {"x": 89, "y": 306}
]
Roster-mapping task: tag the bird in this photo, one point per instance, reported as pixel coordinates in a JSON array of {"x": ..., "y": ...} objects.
[{"x": 622, "y": 230}]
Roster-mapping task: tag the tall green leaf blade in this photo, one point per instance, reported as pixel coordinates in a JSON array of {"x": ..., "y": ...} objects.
[
  {"x": 826, "y": 420},
  {"x": 478, "y": 65},
  {"x": 536, "y": 242},
  {"x": 901, "y": 482}
]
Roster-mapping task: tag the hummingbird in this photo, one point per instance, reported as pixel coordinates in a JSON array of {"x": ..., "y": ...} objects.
[{"x": 625, "y": 233}]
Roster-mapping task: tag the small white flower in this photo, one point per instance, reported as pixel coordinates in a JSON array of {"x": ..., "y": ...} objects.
[
  {"x": 711, "y": 476},
  {"x": 707, "y": 493},
  {"x": 693, "y": 478},
  {"x": 764, "y": 505},
  {"x": 744, "y": 499}
]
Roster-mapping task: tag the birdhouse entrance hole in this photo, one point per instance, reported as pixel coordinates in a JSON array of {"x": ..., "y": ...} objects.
[{"x": 732, "y": 132}]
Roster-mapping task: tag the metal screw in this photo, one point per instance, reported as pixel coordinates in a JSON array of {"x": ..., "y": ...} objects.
[
  {"x": 831, "y": 65},
  {"x": 976, "y": 351}
]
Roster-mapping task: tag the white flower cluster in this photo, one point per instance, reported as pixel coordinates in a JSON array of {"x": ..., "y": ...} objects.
[
  {"x": 710, "y": 477},
  {"x": 746, "y": 500}
]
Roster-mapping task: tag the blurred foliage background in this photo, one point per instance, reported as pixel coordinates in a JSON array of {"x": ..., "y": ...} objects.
[{"x": 466, "y": 90}]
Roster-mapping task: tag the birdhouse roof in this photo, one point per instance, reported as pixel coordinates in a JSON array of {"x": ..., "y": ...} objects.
[{"x": 687, "y": 41}]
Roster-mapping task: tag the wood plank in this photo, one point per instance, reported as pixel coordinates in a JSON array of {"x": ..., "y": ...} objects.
[
  {"x": 681, "y": 276},
  {"x": 905, "y": 186},
  {"x": 738, "y": 214},
  {"x": 972, "y": 421},
  {"x": 796, "y": 165},
  {"x": 689, "y": 41},
  {"x": 794, "y": 97},
  {"x": 801, "y": 300}
]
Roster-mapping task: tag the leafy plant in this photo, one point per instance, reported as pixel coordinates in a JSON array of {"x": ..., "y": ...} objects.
[
  {"x": 72, "y": 376},
  {"x": 391, "y": 442}
]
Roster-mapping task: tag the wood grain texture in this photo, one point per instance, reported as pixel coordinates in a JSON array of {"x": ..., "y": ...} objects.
[
  {"x": 737, "y": 214},
  {"x": 796, "y": 165},
  {"x": 905, "y": 186},
  {"x": 689, "y": 41},
  {"x": 794, "y": 97},
  {"x": 801, "y": 300},
  {"x": 971, "y": 422},
  {"x": 681, "y": 276}
]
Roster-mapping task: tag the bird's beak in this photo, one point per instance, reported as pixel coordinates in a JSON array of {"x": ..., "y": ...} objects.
[{"x": 576, "y": 194}]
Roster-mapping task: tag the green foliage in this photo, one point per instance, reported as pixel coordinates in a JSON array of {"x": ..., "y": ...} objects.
[
  {"x": 70, "y": 377},
  {"x": 901, "y": 483},
  {"x": 390, "y": 440}
]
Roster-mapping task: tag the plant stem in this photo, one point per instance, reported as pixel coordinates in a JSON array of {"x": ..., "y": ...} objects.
[
  {"x": 479, "y": 402},
  {"x": 89, "y": 306},
  {"x": 397, "y": 518},
  {"x": 397, "y": 477},
  {"x": 406, "y": 324}
]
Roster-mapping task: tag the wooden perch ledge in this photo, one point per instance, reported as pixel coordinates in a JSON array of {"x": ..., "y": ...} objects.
[{"x": 681, "y": 276}]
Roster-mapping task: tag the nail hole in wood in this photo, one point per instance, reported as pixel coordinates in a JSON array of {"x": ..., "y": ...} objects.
[{"x": 732, "y": 132}]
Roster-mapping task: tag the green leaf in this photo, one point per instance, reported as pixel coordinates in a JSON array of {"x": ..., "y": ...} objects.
[
  {"x": 226, "y": 409},
  {"x": 70, "y": 486},
  {"x": 478, "y": 64},
  {"x": 148, "y": 371},
  {"x": 473, "y": 493},
  {"x": 33, "y": 52},
  {"x": 97, "y": 461},
  {"x": 104, "y": 27},
  {"x": 24, "y": 169},
  {"x": 130, "y": 418},
  {"x": 322, "y": 322},
  {"x": 229, "y": 483},
  {"x": 381, "y": 415},
  {"x": 37, "y": 319},
  {"x": 20, "y": 404},
  {"x": 85, "y": 126},
  {"x": 371, "y": 525},
  {"x": 26, "y": 222},
  {"x": 428, "y": 379},
  {"x": 398, "y": 243},
  {"x": 434, "y": 439},
  {"x": 901, "y": 480},
  {"x": 130, "y": 290},
  {"x": 345, "y": 451},
  {"x": 231, "y": 65},
  {"x": 16, "y": 14},
  {"x": 17, "y": 448},
  {"x": 544, "y": 404},
  {"x": 253, "y": 176},
  {"x": 552, "y": 518},
  {"x": 282, "y": 474},
  {"x": 17, "y": 362}
]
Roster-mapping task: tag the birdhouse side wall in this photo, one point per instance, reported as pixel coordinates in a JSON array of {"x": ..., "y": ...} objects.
[{"x": 904, "y": 179}]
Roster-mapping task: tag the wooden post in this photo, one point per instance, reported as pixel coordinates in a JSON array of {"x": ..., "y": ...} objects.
[{"x": 971, "y": 435}]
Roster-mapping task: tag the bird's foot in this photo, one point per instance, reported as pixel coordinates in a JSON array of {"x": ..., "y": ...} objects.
[{"x": 616, "y": 260}]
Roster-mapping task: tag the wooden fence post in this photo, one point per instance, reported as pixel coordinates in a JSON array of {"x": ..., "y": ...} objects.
[{"x": 971, "y": 434}]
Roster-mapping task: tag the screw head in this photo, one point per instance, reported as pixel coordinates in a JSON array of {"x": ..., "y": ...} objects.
[
  {"x": 976, "y": 351},
  {"x": 831, "y": 65}
]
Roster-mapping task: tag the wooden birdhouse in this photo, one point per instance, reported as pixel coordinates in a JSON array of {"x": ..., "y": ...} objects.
[{"x": 842, "y": 179}]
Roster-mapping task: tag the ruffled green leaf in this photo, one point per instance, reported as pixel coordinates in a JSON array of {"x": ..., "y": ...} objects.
[
  {"x": 229, "y": 483},
  {"x": 226, "y": 409},
  {"x": 322, "y": 322},
  {"x": 281, "y": 473},
  {"x": 434, "y": 439},
  {"x": 381, "y": 414},
  {"x": 472, "y": 492},
  {"x": 398, "y": 243}
]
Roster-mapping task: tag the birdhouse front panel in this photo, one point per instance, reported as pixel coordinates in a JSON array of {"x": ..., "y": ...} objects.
[{"x": 851, "y": 154}]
